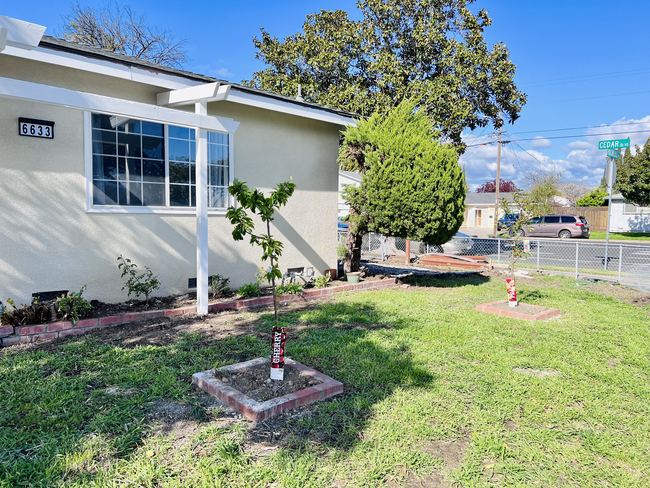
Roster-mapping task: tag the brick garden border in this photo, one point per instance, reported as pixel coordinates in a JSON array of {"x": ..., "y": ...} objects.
[
  {"x": 10, "y": 335},
  {"x": 543, "y": 314},
  {"x": 258, "y": 411}
]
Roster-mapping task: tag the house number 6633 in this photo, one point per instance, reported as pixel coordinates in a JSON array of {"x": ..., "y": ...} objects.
[{"x": 36, "y": 128}]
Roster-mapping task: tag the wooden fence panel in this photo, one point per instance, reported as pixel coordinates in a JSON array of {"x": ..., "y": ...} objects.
[{"x": 596, "y": 216}]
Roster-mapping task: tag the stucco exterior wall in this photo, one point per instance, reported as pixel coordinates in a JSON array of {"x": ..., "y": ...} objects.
[{"x": 49, "y": 242}]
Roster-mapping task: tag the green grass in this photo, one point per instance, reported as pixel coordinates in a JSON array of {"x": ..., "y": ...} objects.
[
  {"x": 420, "y": 365},
  {"x": 621, "y": 236}
]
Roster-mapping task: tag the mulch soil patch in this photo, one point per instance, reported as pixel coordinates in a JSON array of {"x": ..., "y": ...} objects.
[{"x": 255, "y": 383}]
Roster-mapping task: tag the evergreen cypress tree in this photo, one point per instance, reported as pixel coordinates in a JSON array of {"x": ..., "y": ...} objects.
[{"x": 412, "y": 186}]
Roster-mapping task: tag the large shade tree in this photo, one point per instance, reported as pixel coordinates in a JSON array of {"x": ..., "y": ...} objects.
[
  {"x": 412, "y": 185},
  {"x": 432, "y": 50}
]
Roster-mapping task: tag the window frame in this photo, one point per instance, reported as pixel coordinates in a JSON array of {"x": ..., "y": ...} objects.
[{"x": 167, "y": 209}]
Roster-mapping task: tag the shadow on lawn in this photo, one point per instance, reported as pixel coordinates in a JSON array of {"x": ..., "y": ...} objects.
[
  {"x": 54, "y": 402},
  {"x": 358, "y": 347},
  {"x": 447, "y": 280}
]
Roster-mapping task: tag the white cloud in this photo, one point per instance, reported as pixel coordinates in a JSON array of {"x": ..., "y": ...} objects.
[
  {"x": 541, "y": 142},
  {"x": 221, "y": 72},
  {"x": 578, "y": 161},
  {"x": 579, "y": 145}
]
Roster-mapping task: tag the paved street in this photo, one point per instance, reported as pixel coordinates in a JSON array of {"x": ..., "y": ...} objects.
[{"x": 633, "y": 260}]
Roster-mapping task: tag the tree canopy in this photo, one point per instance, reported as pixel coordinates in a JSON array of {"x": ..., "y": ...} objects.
[
  {"x": 432, "y": 50},
  {"x": 595, "y": 198},
  {"x": 412, "y": 185},
  {"x": 543, "y": 187},
  {"x": 504, "y": 187},
  {"x": 633, "y": 176},
  {"x": 117, "y": 28}
]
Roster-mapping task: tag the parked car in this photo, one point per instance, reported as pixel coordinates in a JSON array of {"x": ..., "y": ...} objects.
[
  {"x": 459, "y": 244},
  {"x": 562, "y": 226},
  {"x": 507, "y": 220}
]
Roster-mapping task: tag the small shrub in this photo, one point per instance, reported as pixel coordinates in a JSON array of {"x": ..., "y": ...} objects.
[
  {"x": 250, "y": 290},
  {"x": 341, "y": 250},
  {"x": 289, "y": 289},
  {"x": 322, "y": 281},
  {"x": 137, "y": 285},
  {"x": 73, "y": 306},
  {"x": 219, "y": 286},
  {"x": 36, "y": 313}
]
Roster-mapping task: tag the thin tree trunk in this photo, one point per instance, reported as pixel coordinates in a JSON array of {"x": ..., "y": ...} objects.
[
  {"x": 275, "y": 297},
  {"x": 353, "y": 241}
]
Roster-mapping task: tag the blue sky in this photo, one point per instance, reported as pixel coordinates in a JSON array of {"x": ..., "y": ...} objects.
[{"x": 581, "y": 63}]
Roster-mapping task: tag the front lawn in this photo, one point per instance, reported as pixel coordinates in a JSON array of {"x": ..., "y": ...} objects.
[
  {"x": 621, "y": 236},
  {"x": 436, "y": 392}
]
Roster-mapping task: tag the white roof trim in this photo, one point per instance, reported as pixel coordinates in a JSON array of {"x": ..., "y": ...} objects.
[
  {"x": 103, "y": 67},
  {"x": 26, "y": 90},
  {"x": 21, "y": 34},
  {"x": 187, "y": 96},
  {"x": 171, "y": 82},
  {"x": 259, "y": 101}
]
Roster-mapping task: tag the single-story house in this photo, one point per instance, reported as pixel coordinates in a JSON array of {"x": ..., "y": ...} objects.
[
  {"x": 105, "y": 155},
  {"x": 479, "y": 209},
  {"x": 627, "y": 217}
]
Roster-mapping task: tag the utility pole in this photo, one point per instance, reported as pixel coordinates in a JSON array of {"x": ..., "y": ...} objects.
[{"x": 496, "y": 191}]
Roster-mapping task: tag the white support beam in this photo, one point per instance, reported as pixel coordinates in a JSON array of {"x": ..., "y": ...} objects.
[
  {"x": 190, "y": 95},
  {"x": 25, "y": 90},
  {"x": 201, "y": 108},
  {"x": 21, "y": 34}
]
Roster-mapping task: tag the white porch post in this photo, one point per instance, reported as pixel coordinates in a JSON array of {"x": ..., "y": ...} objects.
[{"x": 201, "y": 108}]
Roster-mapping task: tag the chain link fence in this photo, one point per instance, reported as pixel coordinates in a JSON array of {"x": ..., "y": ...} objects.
[{"x": 627, "y": 264}]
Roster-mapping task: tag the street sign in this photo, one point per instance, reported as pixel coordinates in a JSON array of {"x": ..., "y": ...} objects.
[
  {"x": 614, "y": 153},
  {"x": 610, "y": 173},
  {"x": 614, "y": 144}
]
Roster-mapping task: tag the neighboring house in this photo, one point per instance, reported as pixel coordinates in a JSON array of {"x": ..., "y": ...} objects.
[
  {"x": 627, "y": 217},
  {"x": 99, "y": 158},
  {"x": 479, "y": 209},
  {"x": 346, "y": 178}
]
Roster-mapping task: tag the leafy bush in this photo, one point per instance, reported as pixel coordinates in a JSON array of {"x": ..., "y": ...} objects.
[
  {"x": 219, "y": 286},
  {"x": 36, "y": 313},
  {"x": 250, "y": 290},
  {"x": 290, "y": 289},
  {"x": 137, "y": 285},
  {"x": 73, "y": 306},
  {"x": 596, "y": 198},
  {"x": 322, "y": 281}
]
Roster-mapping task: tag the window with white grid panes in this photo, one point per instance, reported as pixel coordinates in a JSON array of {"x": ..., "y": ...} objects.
[{"x": 130, "y": 164}]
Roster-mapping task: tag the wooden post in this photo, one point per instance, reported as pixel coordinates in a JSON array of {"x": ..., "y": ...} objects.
[{"x": 408, "y": 251}]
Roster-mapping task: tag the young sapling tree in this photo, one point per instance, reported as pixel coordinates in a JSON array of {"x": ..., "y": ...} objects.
[
  {"x": 263, "y": 207},
  {"x": 527, "y": 208}
]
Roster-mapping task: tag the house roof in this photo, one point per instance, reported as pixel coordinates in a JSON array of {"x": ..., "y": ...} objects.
[
  {"x": 485, "y": 198},
  {"x": 350, "y": 174},
  {"x": 58, "y": 44}
]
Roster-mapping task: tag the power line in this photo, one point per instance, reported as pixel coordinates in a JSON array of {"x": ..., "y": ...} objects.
[
  {"x": 564, "y": 137},
  {"x": 546, "y": 102},
  {"x": 577, "y": 79},
  {"x": 576, "y": 128}
]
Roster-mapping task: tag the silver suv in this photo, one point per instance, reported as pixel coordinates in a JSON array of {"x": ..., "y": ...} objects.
[{"x": 562, "y": 226}]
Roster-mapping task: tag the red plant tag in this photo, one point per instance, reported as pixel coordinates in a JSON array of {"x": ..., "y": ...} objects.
[
  {"x": 512, "y": 292},
  {"x": 277, "y": 358}
]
